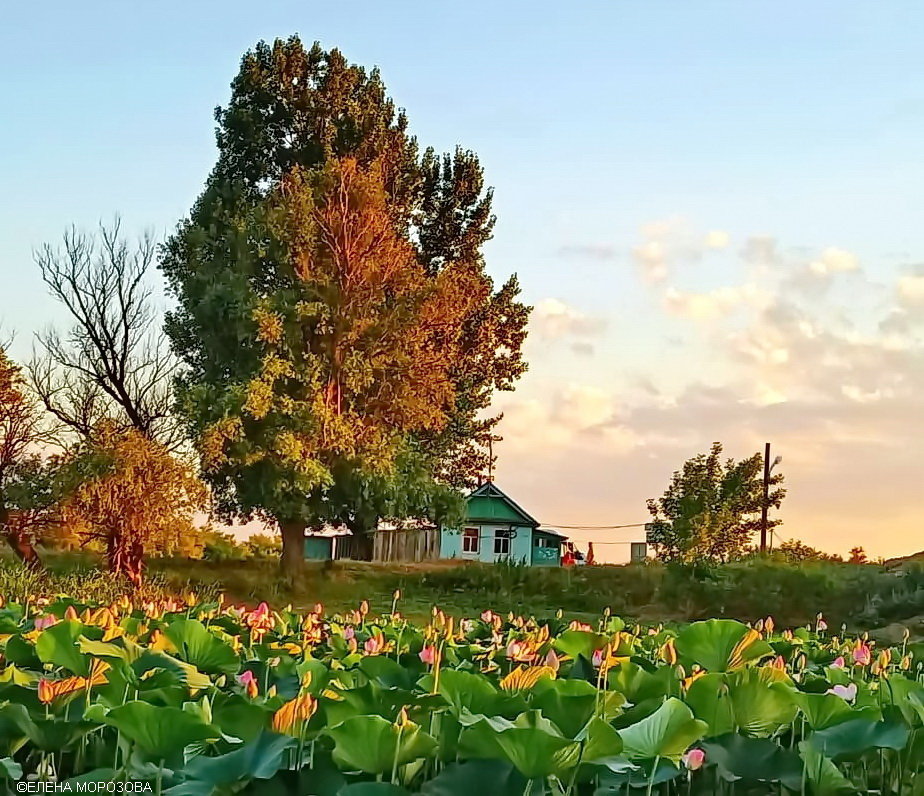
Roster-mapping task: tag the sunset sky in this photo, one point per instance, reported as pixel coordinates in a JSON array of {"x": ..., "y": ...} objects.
[{"x": 714, "y": 207}]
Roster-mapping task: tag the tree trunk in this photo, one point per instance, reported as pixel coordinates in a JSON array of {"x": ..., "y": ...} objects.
[
  {"x": 19, "y": 541},
  {"x": 293, "y": 547},
  {"x": 125, "y": 559}
]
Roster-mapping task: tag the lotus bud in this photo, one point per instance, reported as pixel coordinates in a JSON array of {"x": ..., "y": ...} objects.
[
  {"x": 668, "y": 652},
  {"x": 397, "y": 595},
  {"x": 906, "y": 663},
  {"x": 559, "y": 614},
  {"x": 768, "y": 624},
  {"x": 271, "y": 692},
  {"x": 70, "y": 613},
  {"x": 46, "y": 691},
  {"x": 551, "y": 660},
  {"x": 694, "y": 759}
]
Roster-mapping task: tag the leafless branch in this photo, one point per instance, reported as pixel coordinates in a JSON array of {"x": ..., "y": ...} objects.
[{"x": 113, "y": 362}]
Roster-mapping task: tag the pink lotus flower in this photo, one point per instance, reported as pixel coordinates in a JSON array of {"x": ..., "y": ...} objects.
[
  {"x": 349, "y": 632},
  {"x": 249, "y": 682},
  {"x": 821, "y": 626},
  {"x": 846, "y": 692},
  {"x": 521, "y": 651},
  {"x": 862, "y": 654},
  {"x": 45, "y": 621},
  {"x": 694, "y": 759},
  {"x": 597, "y": 658},
  {"x": 374, "y": 645},
  {"x": 838, "y": 662},
  {"x": 428, "y": 654}
]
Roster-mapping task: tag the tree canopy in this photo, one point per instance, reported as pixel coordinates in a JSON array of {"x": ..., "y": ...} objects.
[
  {"x": 130, "y": 498},
  {"x": 711, "y": 508},
  {"x": 338, "y": 332},
  {"x": 26, "y": 491}
]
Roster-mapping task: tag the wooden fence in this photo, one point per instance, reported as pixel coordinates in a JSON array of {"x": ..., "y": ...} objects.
[
  {"x": 353, "y": 547},
  {"x": 390, "y": 546},
  {"x": 406, "y": 545}
]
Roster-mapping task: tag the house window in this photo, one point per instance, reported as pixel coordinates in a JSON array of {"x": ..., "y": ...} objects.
[
  {"x": 502, "y": 543},
  {"x": 542, "y": 541},
  {"x": 470, "y": 540}
]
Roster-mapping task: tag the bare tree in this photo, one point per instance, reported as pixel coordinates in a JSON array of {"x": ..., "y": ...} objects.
[{"x": 113, "y": 362}]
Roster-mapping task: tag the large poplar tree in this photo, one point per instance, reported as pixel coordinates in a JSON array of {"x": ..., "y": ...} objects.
[{"x": 340, "y": 337}]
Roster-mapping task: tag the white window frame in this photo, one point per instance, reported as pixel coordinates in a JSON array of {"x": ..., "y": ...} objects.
[
  {"x": 502, "y": 539},
  {"x": 466, "y": 536}
]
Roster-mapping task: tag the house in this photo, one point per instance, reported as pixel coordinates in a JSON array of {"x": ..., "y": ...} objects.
[{"x": 496, "y": 528}]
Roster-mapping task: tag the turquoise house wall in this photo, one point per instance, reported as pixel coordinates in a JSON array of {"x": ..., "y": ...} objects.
[
  {"x": 319, "y": 547},
  {"x": 546, "y": 556},
  {"x": 520, "y": 545}
]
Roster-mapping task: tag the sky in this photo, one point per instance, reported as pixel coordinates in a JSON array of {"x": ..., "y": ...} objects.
[{"x": 714, "y": 208}]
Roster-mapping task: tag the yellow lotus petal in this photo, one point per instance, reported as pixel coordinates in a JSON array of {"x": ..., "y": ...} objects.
[{"x": 523, "y": 678}]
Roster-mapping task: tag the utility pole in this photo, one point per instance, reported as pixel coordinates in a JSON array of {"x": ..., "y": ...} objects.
[
  {"x": 492, "y": 438},
  {"x": 766, "y": 501}
]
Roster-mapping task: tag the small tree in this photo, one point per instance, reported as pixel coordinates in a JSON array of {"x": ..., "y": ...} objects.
[
  {"x": 857, "y": 556},
  {"x": 711, "y": 509},
  {"x": 796, "y": 551},
  {"x": 132, "y": 498},
  {"x": 27, "y": 484}
]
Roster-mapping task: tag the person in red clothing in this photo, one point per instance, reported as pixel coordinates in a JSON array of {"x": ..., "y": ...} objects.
[
  {"x": 590, "y": 554},
  {"x": 567, "y": 558}
]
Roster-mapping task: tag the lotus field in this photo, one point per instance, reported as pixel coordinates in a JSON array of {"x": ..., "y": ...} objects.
[{"x": 189, "y": 698}]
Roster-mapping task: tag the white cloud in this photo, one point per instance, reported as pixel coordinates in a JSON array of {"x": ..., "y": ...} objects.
[
  {"x": 712, "y": 305},
  {"x": 653, "y": 259},
  {"x": 716, "y": 239},
  {"x": 833, "y": 261},
  {"x": 553, "y": 319},
  {"x": 580, "y": 407},
  {"x": 911, "y": 289}
]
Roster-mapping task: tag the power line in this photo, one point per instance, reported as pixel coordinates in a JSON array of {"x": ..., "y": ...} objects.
[
  {"x": 596, "y": 543},
  {"x": 596, "y": 527}
]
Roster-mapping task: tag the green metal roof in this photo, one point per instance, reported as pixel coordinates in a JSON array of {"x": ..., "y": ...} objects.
[
  {"x": 489, "y": 504},
  {"x": 551, "y": 532}
]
